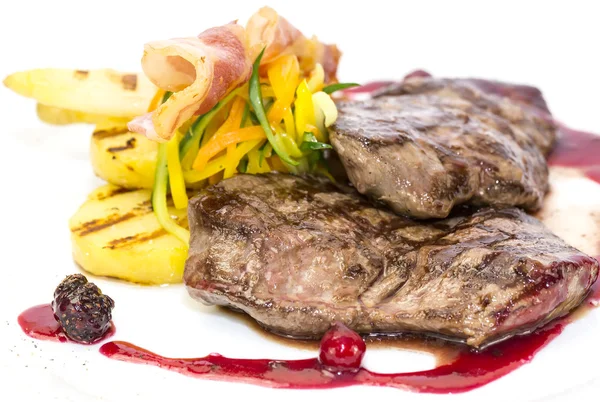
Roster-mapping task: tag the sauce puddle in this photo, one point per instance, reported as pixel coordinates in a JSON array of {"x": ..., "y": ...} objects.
[
  {"x": 38, "y": 322},
  {"x": 577, "y": 149}
]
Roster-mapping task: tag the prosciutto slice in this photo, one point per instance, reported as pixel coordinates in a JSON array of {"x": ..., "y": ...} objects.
[
  {"x": 199, "y": 71},
  {"x": 267, "y": 29},
  {"x": 202, "y": 70}
]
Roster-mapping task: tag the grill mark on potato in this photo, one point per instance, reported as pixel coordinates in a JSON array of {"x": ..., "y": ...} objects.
[
  {"x": 111, "y": 132},
  {"x": 130, "y": 144},
  {"x": 138, "y": 238},
  {"x": 96, "y": 225},
  {"x": 135, "y": 239},
  {"x": 81, "y": 74},
  {"x": 113, "y": 192},
  {"x": 129, "y": 82}
]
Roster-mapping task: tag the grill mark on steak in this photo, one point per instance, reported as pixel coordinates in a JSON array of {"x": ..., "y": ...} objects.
[
  {"x": 426, "y": 145},
  {"x": 298, "y": 254}
]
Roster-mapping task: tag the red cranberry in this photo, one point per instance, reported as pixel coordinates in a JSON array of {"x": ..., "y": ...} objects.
[{"x": 341, "y": 348}]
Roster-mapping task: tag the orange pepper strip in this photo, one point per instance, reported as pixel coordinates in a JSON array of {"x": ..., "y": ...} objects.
[
  {"x": 278, "y": 164},
  {"x": 277, "y": 112},
  {"x": 156, "y": 99},
  {"x": 233, "y": 121},
  {"x": 215, "y": 178},
  {"x": 220, "y": 142}
]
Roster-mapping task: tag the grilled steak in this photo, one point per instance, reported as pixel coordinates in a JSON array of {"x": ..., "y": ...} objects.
[
  {"x": 425, "y": 145},
  {"x": 298, "y": 254}
]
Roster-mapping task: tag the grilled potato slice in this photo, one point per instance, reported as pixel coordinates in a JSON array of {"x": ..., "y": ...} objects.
[
  {"x": 123, "y": 158},
  {"x": 115, "y": 233},
  {"x": 58, "y": 116},
  {"x": 104, "y": 92}
]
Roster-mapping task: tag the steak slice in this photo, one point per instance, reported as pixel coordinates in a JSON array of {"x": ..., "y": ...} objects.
[
  {"x": 426, "y": 145},
  {"x": 298, "y": 254}
]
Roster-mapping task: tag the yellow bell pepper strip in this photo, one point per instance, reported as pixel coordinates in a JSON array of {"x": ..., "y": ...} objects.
[
  {"x": 304, "y": 111},
  {"x": 191, "y": 142},
  {"x": 316, "y": 79},
  {"x": 283, "y": 74},
  {"x": 288, "y": 120},
  {"x": 159, "y": 193},
  {"x": 220, "y": 143},
  {"x": 234, "y": 160},
  {"x": 159, "y": 198},
  {"x": 265, "y": 152},
  {"x": 255, "y": 164},
  {"x": 176, "y": 181},
  {"x": 266, "y": 92},
  {"x": 290, "y": 145},
  {"x": 256, "y": 101},
  {"x": 329, "y": 89}
]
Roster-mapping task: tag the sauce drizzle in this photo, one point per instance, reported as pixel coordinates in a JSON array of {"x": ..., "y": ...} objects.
[{"x": 470, "y": 370}]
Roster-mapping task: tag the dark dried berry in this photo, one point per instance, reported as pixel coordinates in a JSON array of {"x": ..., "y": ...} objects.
[{"x": 82, "y": 310}]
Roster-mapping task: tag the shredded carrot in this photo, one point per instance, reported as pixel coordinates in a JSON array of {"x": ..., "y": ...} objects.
[
  {"x": 214, "y": 179},
  {"x": 278, "y": 164},
  {"x": 233, "y": 121},
  {"x": 221, "y": 141}
]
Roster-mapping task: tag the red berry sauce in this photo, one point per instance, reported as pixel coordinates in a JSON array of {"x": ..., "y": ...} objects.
[
  {"x": 470, "y": 370},
  {"x": 39, "y": 322},
  {"x": 577, "y": 149}
]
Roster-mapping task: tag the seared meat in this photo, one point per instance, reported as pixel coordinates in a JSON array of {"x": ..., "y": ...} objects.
[
  {"x": 298, "y": 254},
  {"x": 426, "y": 145}
]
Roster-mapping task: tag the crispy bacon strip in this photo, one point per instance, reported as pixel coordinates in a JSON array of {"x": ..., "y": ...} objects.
[
  {"x": 267, "y": 29},
  {"x": 199, "y": 71}
]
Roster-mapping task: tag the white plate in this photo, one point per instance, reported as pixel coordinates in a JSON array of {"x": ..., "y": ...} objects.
[{"x": 46, "y": 175}]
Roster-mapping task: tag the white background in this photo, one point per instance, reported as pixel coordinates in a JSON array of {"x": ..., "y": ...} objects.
[{"x": 46, "y": 175}]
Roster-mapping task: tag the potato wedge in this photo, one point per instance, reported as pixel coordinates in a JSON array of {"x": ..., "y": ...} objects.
[
  {"x": 123, "y": 158},
  {"x": 58, "y": 116},
  {"x": 104, "y": 92},
  {"x": 115, "y": 233}
]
